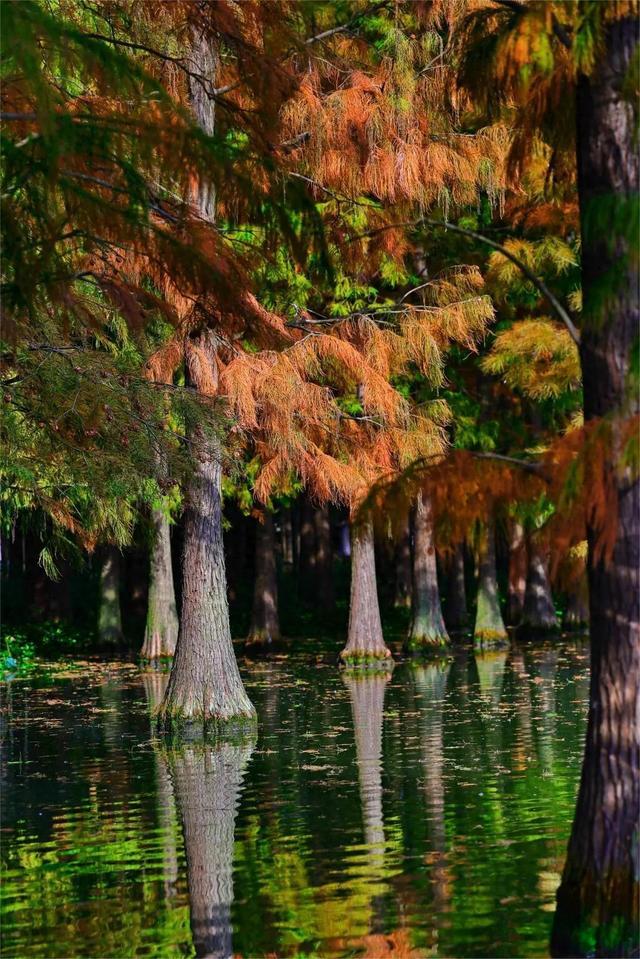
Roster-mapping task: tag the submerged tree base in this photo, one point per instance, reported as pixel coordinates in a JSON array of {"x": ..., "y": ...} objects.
[
  {"x": 526, "y": 631},
  {"x": 262, "y": 643},
  {"x": 426, "y": 644},
  {"x": 372, "y": 659},
  {"x": 160, "y": 663},
  {"x": 177, "y": 727},
  {"x": 491, "y": 639}
]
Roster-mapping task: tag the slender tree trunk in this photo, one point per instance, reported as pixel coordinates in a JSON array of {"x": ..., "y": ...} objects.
[
  {"x": 489, "y": 629},
  {"x": 427, "y": 629},
  {"x": 265, "y": 625},
  {"x": 109, "y": 615},
  {"x": 205, "y": 691},
  {"x": 456, "y": 615},
  {"x": 576, "y": 616},
  {"x": 208, "y": 786},
  {"x": 365, "y": 642},
  {"x": 324, "y": 591},
  {"x": 517, "y": 573},
  {"x": 161, "y": 631},
  {"x": 286, "y": 533},
  {"x": 598, "y": 898},
  {"x": 402, "y": 599},
  {"x": 538, "y": 614},
  {"x": 307, "y": 561}
]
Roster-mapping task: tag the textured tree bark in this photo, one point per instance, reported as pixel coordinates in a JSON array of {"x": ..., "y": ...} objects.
[
  {"x": 538, "y": 614},
  {"x": 208, "y": 786},
  {"x": 324, "y": 595},
  {"x": 598, "y": 898},
  {"x": 427, "y": 629},
  {"x": 517, "y": 573},
  {"x": 402, "y": 598},
  {"x": 265, "y": 625},
  {"x": 161, "y": 631},
  {"x": 365, "y": 642},
  {"x": 205, "y": 692},
  {"x": 205, "y": 688},
  {"x": 455, "y": 611},
  {"x": 109, "y": 615},
  {"x": 489, "y": 630}
]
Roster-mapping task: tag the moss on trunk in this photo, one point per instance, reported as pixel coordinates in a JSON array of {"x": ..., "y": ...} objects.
[
  {"x": 427, "y": 630},
  {"x": 365, "y": 643},
  {"x": 489, "y": 630}
]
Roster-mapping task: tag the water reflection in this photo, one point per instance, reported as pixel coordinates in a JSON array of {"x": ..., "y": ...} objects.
[
  {"x": 422, "y": 814},
  {"x": 207, "y": 782}
]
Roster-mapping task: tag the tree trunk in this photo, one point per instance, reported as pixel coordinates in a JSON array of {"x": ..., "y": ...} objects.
[
  {"x": 598, "y": 898},
  {"x": 307, "y": 560},
  {"x": 265, "y": 625},
  {"x": 109, "y": 615},
  {"x": 205, "y": 691},
  {"x": 208, "y": 785},
  {"x": 538, "y": 614},
  {"x": 161, "y": 632},
  {"x": 427, "y": 630},
  {"x": 517, "y": 573},
  {"x": 324, "y": 592},
  {"x": 576, "y": 615},
  {"x": 402, "y": 599},
  {"x": 456, "y": 614},
  {"x": 286, "y": 533},
  {"x": 205, "y": 687},
  {"x": 489, "y": 629},
  {"x": 365, "y": 642}
]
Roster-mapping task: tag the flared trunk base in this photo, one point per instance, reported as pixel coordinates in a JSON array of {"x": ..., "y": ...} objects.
[
  {"x": 491, "y": 639},
  {"x": 366, "y": 659}
]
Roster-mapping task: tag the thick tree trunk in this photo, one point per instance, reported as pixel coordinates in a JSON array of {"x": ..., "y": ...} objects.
[
  {"x": 205, "y": 687},
  {"x": 456, "y": 615},
  {"x": 489, "y": 630},
  {"x": 402, "y": 598},
  {"x": 598, "y": 898},
  {"x": 324, "y": 595},
  {"x": 427, "y": 630},
  {"x": 517, "y": 573},
  {"x": 365, "y": 642},
  {"x": 208, "y": 785},
  {"x": 576, "y": 615},
  {"x": 205, "y": 691},
  {"x": 161, "y": 631},
  {"x": 109, "y": 615},
  {"x": 265, "y": 625},
  {"x": 538, "y": 614}
]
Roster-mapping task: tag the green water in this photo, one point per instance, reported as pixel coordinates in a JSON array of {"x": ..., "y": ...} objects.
[{"x": 423, "y": 816}]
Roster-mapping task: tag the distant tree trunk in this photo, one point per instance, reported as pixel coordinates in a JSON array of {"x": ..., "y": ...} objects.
[
  {"x": 365, "y": 642},
  {"x": 538, "y": 614},
  {"x": 161, "y": 632},
  {"x": 286, "y": 534},
  {"x": 265, "y": 625},
  {"x": 208, "y": 785},
  {"x": 345, "y": 541},
  {"x": 235, "y": 549},
  {"x": 324, "y": 592},
  {"x": 205, "y": 691},
  {"x": 517, "y": 573},
  {"x": 427, "y": 629},
  {"x": 109, "y": 615},
  {"x": 598, "y": 899},
  {"x": 402, "y": 599},
  {"x": 576, "y": 616},
  {"x": 456, "y": 614},
  {"x": 489, "y": 627},
  {"x": 307, "y": 561}
]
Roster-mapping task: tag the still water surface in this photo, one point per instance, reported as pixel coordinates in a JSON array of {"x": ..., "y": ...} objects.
[{"x": 426, "y": 815}]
